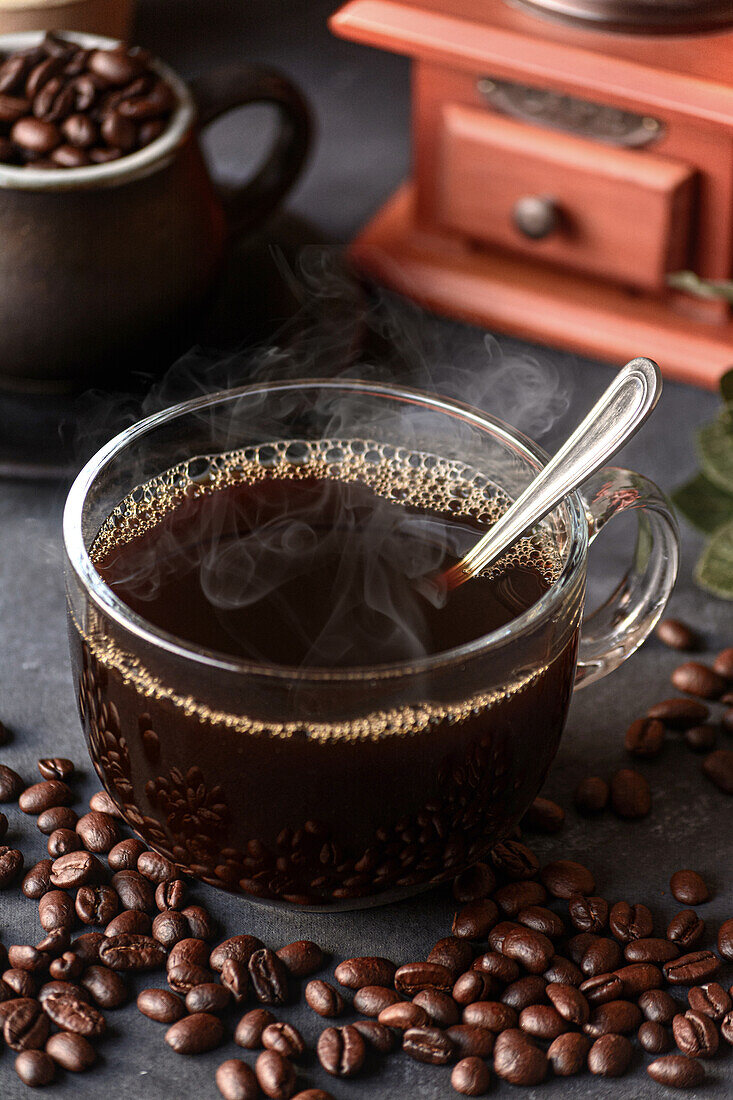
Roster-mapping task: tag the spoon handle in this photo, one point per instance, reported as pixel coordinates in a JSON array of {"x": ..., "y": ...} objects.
[{"x": 618, "y": 413}]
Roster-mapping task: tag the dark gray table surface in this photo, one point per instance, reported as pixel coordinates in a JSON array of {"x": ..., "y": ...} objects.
[{"x": 360, "y": 99}]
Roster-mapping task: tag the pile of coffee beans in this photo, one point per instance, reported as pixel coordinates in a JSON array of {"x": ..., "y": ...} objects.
[
  {"x": 63, "y": 106},
  {"x": 539, "y": 975}
]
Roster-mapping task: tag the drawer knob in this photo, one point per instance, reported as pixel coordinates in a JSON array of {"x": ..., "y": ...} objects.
[{"x": 536, "y": 216}]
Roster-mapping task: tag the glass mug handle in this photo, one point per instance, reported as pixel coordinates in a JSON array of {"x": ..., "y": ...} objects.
[
  {"x": 617, "y": 628},
  {"x": 223, "y": 90}
]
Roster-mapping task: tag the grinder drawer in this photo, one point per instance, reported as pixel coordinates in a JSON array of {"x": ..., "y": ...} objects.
[{"x": 622, "y": 214}]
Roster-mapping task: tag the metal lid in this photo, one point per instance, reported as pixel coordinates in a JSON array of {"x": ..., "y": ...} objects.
[{"x": 642, "y": 16}]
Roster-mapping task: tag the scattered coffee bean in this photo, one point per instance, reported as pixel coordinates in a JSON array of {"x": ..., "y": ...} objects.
[
  {"x": 711, "y": 1000},
  {"x": 129, "y": 920},
  {"x": 689, "y": 888},
  {"x": 11, "y": 784},
  {"x": 658, "y": 1006},
  {"x": 26, "y": 1025},
  {"x": 630, "y": 794},
  {"x": 170, "y": 895},
  {"x": 131, "y": 952},
  {"x": 570, "y": 1003},
  {"x": 208, "y": 997},
  {"x": 235, "y": 977},
  {"x": 496, "y": 966},
  {"x": 470, "y": 1040},
  {"x": 371, "y": 999},
  {"x": 695, "y": 678},
  {"x": 601, "y": 957},
  {"x": 692, "y": 969},
  {"x": 725, "y": 939},
  {"x": 52, "y": 792},
  {"x": 124, "y": 855},
  {"x": 236, "y": 1081},
  {"x": 471, "y": 986},
  {"x": 62, "y": 841},
  {"x": 701, "y": 738},
  {"x": 324, "y": 999},
  {"x": 676, "y": 634},
  {"x": 652, "y": 950},
  {"x": 183, "y": 977},
  {"x": 341, "y": 1051},
  {"x": 195, "y": 1034},
  {"x": 240, "y": 948},
  {"x": 544, "y": 816},
  {"x": 72, "y": 1052},
  {"x": 428, "y": 1044},
  {"x": 685, "y": 928},
  {"x": 134, "y": 890},
  {"x": 542, "y": 1022},
  {"x": 453, "y": 953},
  {"x": 376, "y": 1035},
  {"x": 269, "y": 977},
  {"x": 101, "y": 801},
  {"x": 517, "y": 1059},
  {"x": 542, "y": 920},
  {"x": 563, "y": 972},
  {"x": 610, "y": 1056},
  {"x": 55, "y": 910},
  {"x": 679, "y": 714},
  {"x": 249, "y": 1030},
  {"x": 591, "y": 795},
  {"x": 56, "y": 767},
  {"x": 200, "y": 922},
  {"x": 676, "y": 1071},
  {"x": 75, "y": 869},
  {"x": 414, "y": 977},
  {"x": 516, "y": 896},
  {"x": 568, "y": 1053},
  {"x": 275, "y": 1075},
  {"x": 35, "y": 1068},
  {"x": 588, "y": 914},
  {"x": 96, "y": 904},
  {"x": 473, "y": 922},
  {"x": 70, "y": 1013},
  {"x": 283, "y": 1038},
  {"x": 371, "y": 970},
  {"x": 515, "y": 860},
  {"x": 11, "y": 865},
  {"x": 188, "y": 952},
  {"x": 653, "y": 1038},
  {"x": 493, "y": 1015},
  {"x": 563, "y": 878},
  {"x": 726, "y": 1028},
  {"x": 695, "y": 1034},
  {"x": 99, "y": 832},
  {"x": 723, "y": 663},
  {"x": 474, "y": 883},
  {"x": 529, "y": 990},
  {"x": 718, "y": 767},
  {"x": 108, "y": 990},
  {"x": 470, "y": 1077},
  {"x": 169, "y": 928},
  {"x": 403, "y": 1015},
  {"x": 645, "y": 738},
  {"x": 302, "y": 958}
]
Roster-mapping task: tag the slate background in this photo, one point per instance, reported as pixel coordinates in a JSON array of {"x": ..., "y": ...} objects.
[{"x": 360, "y": 100}]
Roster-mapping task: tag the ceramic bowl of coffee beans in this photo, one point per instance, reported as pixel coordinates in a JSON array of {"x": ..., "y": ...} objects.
[{"x": 113, "y": 230}]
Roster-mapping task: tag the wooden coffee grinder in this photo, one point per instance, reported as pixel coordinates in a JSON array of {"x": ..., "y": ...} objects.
[{"x": 573, "y": 172}]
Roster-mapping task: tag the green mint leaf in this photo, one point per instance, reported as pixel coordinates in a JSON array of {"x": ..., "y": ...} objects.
[
  {"x": 715, "y": 446},
  {"x": 704, "y": 504},
  {"x": 726, "y": 386},
  {"x": 714, "y": 570}
]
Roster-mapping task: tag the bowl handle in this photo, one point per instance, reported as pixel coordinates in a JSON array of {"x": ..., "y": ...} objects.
[
  {"x": 222, "y": 90},
  {"x": 617, "y": 628}
]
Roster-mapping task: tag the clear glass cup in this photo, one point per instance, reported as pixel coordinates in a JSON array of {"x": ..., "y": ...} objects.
[{"x": 329, "y": 788}]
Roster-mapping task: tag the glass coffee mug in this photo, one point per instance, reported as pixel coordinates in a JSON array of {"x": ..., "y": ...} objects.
[{"x": 340, "y": 788}]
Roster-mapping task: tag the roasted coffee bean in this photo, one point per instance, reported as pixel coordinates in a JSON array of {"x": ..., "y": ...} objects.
[
  {"x": 302, "y": 958},
  {"x": 102, "y": 802},
  {"x": 541, "y": 920},
  {"x": 71, "y": 1013},
  {"x": 21, "y": 982},
  {"x": 679, "y": 714},
  {"x": 470, "y": 1040},
  {"x": 62, "y": 841},
  {"x": 650, "y": 950},
  {"x": 81, "y": 132},
  {"x": 134, "y": 890},
  {"x": 610, "y": 1056},
  {"x": 235, "y": 977},
  {"x": 99, "y": 832},
  {"x": 11, "y": 784},
  {"x": 195, "y": 1034},
  {"x": 55, "y": 910},
  {"x": 190, "y": 952},
  {"x": 695, "y": 678},
  {"x": 711, "y": 1000},
  {"x": 208, "y": 997},
  {"x": 637, "y": 978},
  {"x": 170, "y": 895},
  {"x": 58, "y": 988},
  {"x": 26, "y": 957},
  {"x": 725, "y": 940},
  {"x": 183, "y": 977},
  {"x": 55, "y": 942},
  {"x": 52, "y": 792},
  {"x": 692, "y": 969},
  {"x": 275, "y": 1075},
  {"x": 453, "y": 953},
  {"x": 530, "y": 949},
  {"x": 601, "y": 957},
  {"x": 676, "y": 635},
  {"x": 493, "y": 1015},
  {"x": 588, "y": 914},
  {"x": 403, "y": 1015},
  {"x": 72, "y": 1052},
  {"x": 723, "y": 663},
  {"x": 103, "y": 155},
  {"x": 67, "y": 966},
  {"x": 200, "y": 922},
  {"x": 341, "y": 1051},
  {"x": 428, "y": 1044},
  {"x": 75, "y": 869},
  {"x": 118, "y": 131},
  {"x": 240, "y": 948},
  {"x": 544, "y": 816},
  {"x": 249, "y": 1029},
  {"x": 718, "y": 767},
  {"x": 12, "y": 73},
  {"x": 563, "y": 878},
  {"x": 161, "y": 1005},
  {"x": 498, "y": 933},
  {"x": 131, "y": 952},
  {"x": 613, "y": 1017},
  {"x": 726, "y": 1027},
  {"x": 516, "y": 896},
  {"x": 630, "y": 922},
  {"x": 658, "y": 1006},
  {"x": 528, "y": 990},
  {"x": 689, "y": 888},
  {"x": 695, "y": 1034},
  {"x": 542, "y": 1022},
  {"x": 563, "y": 972},
  {"x": 371, "y": 999},
  {"x": 570, "y": 1003},
  {"x": 645, "y": 737},
  {"x": 414, "y": 977},
  {"x": 107, "y": 989},
  {"x": 324, "y": 999},
  {"x": 442, "y": 1010},
  {"x": 35, "y": 1068},
  {"x": 701, "y": 738},
  {"x": 474, "y": 883},
  {"x": 115, "y": 66},
  {"x": 376, "y": 1035},
  {"x": 591, "y": 795},
  {"x": 370, "y": 970},
  {"x": 653, "y": 1038},
  {"x": 155, "y": 867},
  {"x": 236, "y": 1081},
  {"x": 515, "y": 860},
  {"x": 567, "y": 1054},
  {"x": 129, "y": 920},
  {"x": 12, "y": 108},
  {"x": 470, "y": 1077},
  {"x": 578, "y": 945},
  {"x": 169, "y": 928},
  {"x": 3, "y": 825},
  {"x": 11, "y": 865},
  {"x": 518, "y": 1060},
  {"x": 25, "y": 1026},
  {"x": 471, "y": 986},
  {"x": 313, "y": 1094},
  {"x": 676, "y": 1071},
  {"x": 269, "y": 977},
  {"x": 686, "y": 928},
  {"x": 96, "y": 904},
  {"x": 284, "y": 1039},
  {"x": 55, "y": 767},
  {"x": 630, "y": 794},
  {"x": 58, "y": 817},
  {"x": 124, "y": 855},
  {"x": 475, "y": 920},
  {"x": 87, "y": 947},
  {"x": 497, "y": 966}
]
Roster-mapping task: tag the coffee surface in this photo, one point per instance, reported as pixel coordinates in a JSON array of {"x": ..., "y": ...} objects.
[{"x": 304, "y": 563}]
